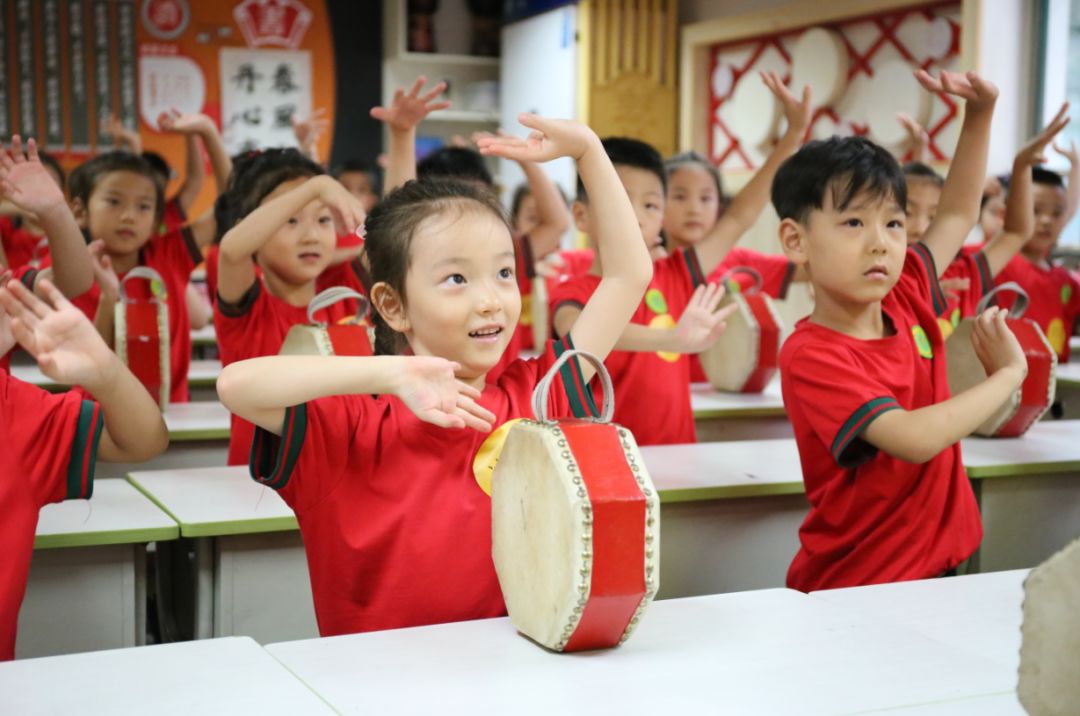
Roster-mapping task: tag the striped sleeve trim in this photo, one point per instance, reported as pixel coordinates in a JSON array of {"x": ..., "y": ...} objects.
[
  {"x": 80, "y": 472},
  {"x": 693, "y": 267},
  {"x": 191, "y": 245},
  {"x": 29, "y": 278},
  {"x": 986, "y": 277},
  {"x": 243, "y": 306},
  {"x": 578, "y": 393},
  {"x": 936, "y": 294},
  {"x": 273, "y": 458},
  {"x": 854, "y": 425}
]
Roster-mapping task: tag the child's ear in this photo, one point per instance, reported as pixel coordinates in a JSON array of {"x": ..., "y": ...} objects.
[
  {"x": 793, "y": 241},
  {"x": 388, "y": 303},
  {"x": 580, "y": 210},
  {"x": 79, "y": 210}
]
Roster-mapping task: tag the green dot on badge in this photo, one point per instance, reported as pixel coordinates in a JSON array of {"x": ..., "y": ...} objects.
[
  {"x": 1066, "y": 294},
  {"x": 655, "y": 301},
  {"x": 157, "y": 288},
  {"x": 955, "y": 318},
  {"x": 922, "y": 343},
  {"x": 733, "y": 286}
]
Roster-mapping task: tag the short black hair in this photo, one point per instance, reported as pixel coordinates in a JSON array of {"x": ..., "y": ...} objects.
[
  {"x": 623, "y": 151},
  {"x": 364, "y": 167},
  {"x": 160, "y": 165},
  {"x": 456, "y": 163},
  {"x": 846, "y": 166},
  {"x": 1045, "y": 176},
  {"x": 918, "y": 170},
  {"x": 87, "y": 175},
  {"x": 254, "y": 176}
]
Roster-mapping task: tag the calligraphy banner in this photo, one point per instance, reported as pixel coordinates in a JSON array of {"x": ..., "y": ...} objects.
[
  {"x": 25, "y": 67},
  {"x": 261, "y": 90},
  {"x": 103, "y": 90},
  {"x": 5, "y": 96},
  {"x": 78, "y": 98},
  {"x": 54, "y": 109},
  {"x": 125, "y": 31}
]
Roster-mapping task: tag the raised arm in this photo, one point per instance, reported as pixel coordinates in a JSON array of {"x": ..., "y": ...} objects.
[
  {"x": 127, "y": 139},
  {"x": 69, "y": 351},
  {"x": 627, "y": 268},
  {"x": 918, "y": 139},
  {"x": 1072, "y": 196},
  {"x": 27, "y": 184},
  {"x": 747, "y": 205},
  {"x": 307, "y": 133},
  {"x": 236, "y": 270},
  {"x": 406, "y": 111},
  {"x": 199, "y": 126},
  {"x": 1019, "y": 206},
  {"x": 958, "y": 210}
]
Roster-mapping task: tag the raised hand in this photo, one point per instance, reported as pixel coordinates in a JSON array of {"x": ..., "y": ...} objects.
[
  {"x": 121, "y": 134},
  {"x": 348, "y": 211},
  {"x": 995, "y": 344},
  {"x": 104, "y": 274},
  {"x": 174, "y": 120},
  {"x": 701, "y": 324},
  {"x": 953, "y": 287},
  {"x": 1034, "y": 151},
  {"x": 410, "y": 108},
  {"x": 429, "y": 388},
  {"x": 65, "y": 344},
  {"x": 24, "y": 180},
  {"x": 7, "y": 339},
  {"x": 797, "y": 111},
  {"x": 308, "y": 131},
  {"x": 1069, "y": 153},
  {"x": 969, "y": 86},
  {"x": 550, "y": 139},
  {"x": 917, "y": 136}
]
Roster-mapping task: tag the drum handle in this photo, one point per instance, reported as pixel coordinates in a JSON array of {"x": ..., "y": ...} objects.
[
  {"x": 540, "y": 393},
  {"x": 140, "y": 272},
  {"x": 335, "y": 295},
  {"x": 749, "y": 271},
  {"x": 1018, "y": 308}
]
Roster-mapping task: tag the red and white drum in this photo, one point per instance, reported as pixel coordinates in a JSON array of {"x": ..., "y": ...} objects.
[
  {"x": 1034, "y": 396},
  {"x": 747, "y": 355},
  {"x": 351, "y": 338},
  {"x": 142, "y": 331},
  {"x": 575, "y": 527}
]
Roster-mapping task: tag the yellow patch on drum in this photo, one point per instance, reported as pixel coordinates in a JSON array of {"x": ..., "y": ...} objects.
[
  {"x": 922, "y": 343},
  {"x": 526, "y": 318},
  {"x": 1055, "y": 333},
  {"x": 487, "y": 457},
  {"x": 664, "y": 322},
  {"x": 946, "y": 327}
]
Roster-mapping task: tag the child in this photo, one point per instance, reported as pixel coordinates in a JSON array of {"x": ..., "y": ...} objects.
[
  {"x": 285, "y": 215},
  {"x": 26, "y": 186},
  {"x": 359, "y": 179},
  {"x": 864, "y": 377},
  {"x": 371, "y": 452},
  {"x": 51, "y": 441},
  {"x": 1054, "y": 292},
  {"x": 118, "y": 201},
  {"x": 21, "y": 232},
  {"x": 650, "y": 370}
]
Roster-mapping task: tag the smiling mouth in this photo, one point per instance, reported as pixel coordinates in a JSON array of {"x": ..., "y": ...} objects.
[
  {"x": 310, "y": 256},
  {"x": 876, "y": 272},
  {"x": 491, "y": 332}
]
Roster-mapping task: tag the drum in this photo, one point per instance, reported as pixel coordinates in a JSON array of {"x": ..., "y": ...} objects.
[
  {"x": 142, "y": 332},
  {"x": 352, "y": 338},
  {"x": 747, "y": 355},
  {"x": 575, "y": 526},
  {"x": 1034, "y": 396}
]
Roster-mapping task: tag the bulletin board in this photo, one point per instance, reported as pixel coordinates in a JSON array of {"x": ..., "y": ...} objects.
[{"x": 858, "y": 57}]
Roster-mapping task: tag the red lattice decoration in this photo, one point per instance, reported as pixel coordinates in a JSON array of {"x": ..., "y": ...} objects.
[{"x": 866, "y": 39}]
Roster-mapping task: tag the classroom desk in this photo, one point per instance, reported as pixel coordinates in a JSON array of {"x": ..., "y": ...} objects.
[
  {"x": 198, "y": 437},
  {"x": 87, "y": 585},
  {"x": 248, "y": 552},
  {"x": 765, "y": 652},
  {"x": 1074, "y": 348},
  {"x": 204, "y": 337},
  {"x": 203, "y": 374},
  {"x": 219, "y": 676},
  {"x": 1068, "y": 388},
  {"x": 739, "y": 416}
]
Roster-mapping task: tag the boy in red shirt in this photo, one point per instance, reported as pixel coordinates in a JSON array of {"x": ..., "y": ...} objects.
[
  {"x": 864, "y": 377},
  {"x": 651, "y": 368},
  {"x": 52, "y": 441}
]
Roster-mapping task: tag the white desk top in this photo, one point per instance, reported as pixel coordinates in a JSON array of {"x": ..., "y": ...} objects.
[
  {"x": 1051, "y": 446},
  {"x": 204, "y": 336},
  {"x": 1068, "y": 374},
  {"x": 1074, "y": 347},
  {"x": 765, "y": 652},
  {"x": 684, "y": 473},
  {"x": 707, "y": 403},
  {"x": 215, "y": 501},
  {"x": 979, "y": 614},
  {"x": 201, "y": 374},
  {"x": 116, "y": 514},
  {"x": 204, "y": 420},
  {"x": 212, "y": 676}
]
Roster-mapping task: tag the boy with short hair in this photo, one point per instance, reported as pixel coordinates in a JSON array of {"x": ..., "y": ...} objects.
[{"x": 864, "y": 377}]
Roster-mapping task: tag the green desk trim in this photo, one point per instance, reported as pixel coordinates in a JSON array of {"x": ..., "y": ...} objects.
[
  {"x": 734, "y": 413},
  {"x": 1068, "y": 382},
  {"x": 1026, "y": 469},
  {"x": 187, "y": 436},
  {"x": 222, "y": 529},
  {"x": 204, "y": 342},
  {"x": 107, "y": 537},
  {"x": 722, "y": 492},
  {"x": 202, "y": 382}
]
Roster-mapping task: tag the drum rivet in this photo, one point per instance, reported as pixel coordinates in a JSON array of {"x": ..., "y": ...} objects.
[
  {"x": 581, "y": 493},
  {"x": 648, "y": 554},
  {"x": 648, "y": 538},
  {"x": 647, "y": 492}
]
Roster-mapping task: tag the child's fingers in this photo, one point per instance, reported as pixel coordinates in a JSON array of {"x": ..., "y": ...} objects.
[
  {"x": 32, "y": 303},
  {"x": 928, "y": 82},
  {"x": 11, "y": 299},
  {"x": 445, "y": 104},
  {"x": 24, "y": 336},
  {"x": 31, "y": 150},
  {"x": 433, "y": 92},
  {"x": 56, "y": 298},
  {"x": 443, "y": 420},
  {"x": 417, "y": 85},
  {"x": 474, "y": 416},
  {"x": 466, "y": 389},
  {"x": 17, "y": 149},
  {"x": 725, "y": 312}
]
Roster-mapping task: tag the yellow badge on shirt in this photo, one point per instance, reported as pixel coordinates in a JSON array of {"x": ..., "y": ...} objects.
[
  {"x": 487, "y": 457},
  {"x": 664, "y": 322},
  {"x": 1055, "y": 333},
  {"x": 922, "y": 342}
]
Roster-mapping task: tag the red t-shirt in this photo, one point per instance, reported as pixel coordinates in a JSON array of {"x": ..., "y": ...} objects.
[
  {"x": 522, "y": 339},
  {"x": 972, "y": 265},
  {"x": 875, "y": 518},
  {"x": 776, "y": 274},
  {"x": 27, "y": 275},
  {"x": 256, "y": 326},
  {"x": 576, "y": 262},
  {"x": 396, "y": 529},
  {"x": 20, "y": 244},
  {"x": 173, "y": 218},
  {"x": 652, "y": 390},
  {"x": 174, "y": 255},
  {"x": 50, "y": 444},
  {"x": 1054, "y": 295}
]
